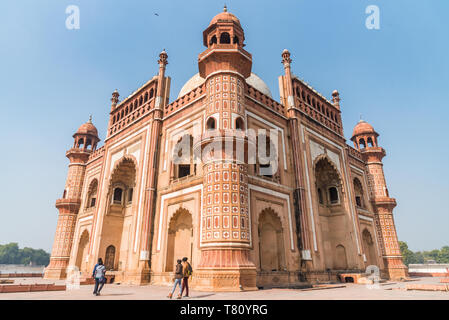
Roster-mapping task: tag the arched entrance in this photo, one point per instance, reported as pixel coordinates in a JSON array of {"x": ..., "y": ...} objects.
[
  {"x": 271, "y": 242},
  {"x": 116, "y": 242},
  {"x": 333, "y": 221},
  {"x": 82, "y": 249},
  {"x": 368, "y": 248},
  {"x": 180, "y": 238}
]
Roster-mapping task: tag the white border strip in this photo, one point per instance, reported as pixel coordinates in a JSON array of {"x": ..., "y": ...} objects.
[{"x": 315, "y": 246}]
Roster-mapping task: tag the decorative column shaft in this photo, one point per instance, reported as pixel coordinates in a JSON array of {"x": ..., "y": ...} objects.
[
  {"x": 68, "y": 207},
  {"x": 225, "y": 220},
  {"x": 383, "y": 206}
]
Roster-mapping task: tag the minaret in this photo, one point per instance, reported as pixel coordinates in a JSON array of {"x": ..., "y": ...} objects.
[
  {"x": 302, "y": 223},
  {"x": 86, "y": 139},
  {"x": 336, "y": 99},
  {"x": 365, "y": 140},
  {"x": 225, "y": 232},
  {"x": 151, "y": 183}
]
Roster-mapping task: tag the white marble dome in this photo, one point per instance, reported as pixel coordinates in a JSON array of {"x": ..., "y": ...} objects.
[{"x": 253, "y": 81}]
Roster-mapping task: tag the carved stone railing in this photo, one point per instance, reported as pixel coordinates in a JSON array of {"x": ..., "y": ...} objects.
[
  {"x": 185, "y": 99},
  {"x": 265, "y": 100}
]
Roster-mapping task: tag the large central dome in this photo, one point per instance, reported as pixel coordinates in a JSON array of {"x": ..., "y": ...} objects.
[{"x": 253, "y": 80}]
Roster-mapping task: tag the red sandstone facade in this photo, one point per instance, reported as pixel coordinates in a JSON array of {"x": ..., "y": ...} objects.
[{"x": 324, "y": 211}]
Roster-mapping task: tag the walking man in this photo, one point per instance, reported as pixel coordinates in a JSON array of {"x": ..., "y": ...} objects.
[
  {"x": 99, "y": 275},
  {"x": 178, "y": 278},
  {"x": 186, "y": 273}
]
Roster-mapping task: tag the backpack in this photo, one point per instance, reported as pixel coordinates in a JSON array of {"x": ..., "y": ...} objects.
[
  {"x": 100, "y": 271},
  {"x": 189, "y": 269}
]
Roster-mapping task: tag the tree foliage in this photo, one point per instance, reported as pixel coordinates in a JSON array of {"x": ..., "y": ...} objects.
[
  {"x": 440, "y": 256},
  {"x": 11, "y": 254}
]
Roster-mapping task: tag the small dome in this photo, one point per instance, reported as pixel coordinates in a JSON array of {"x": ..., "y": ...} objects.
[
  {"x": 224, "y": 16},
  {"x": 253, "y": 80},
  {"x": 363, "y": 127},
  {"x": 88, "y": 128}
]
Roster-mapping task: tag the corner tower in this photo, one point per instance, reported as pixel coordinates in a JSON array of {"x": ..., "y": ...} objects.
[
  {"x": 85, "y": 142},
  {"x": 364, "y": 138},
  {"x": 225, "y": 224}
]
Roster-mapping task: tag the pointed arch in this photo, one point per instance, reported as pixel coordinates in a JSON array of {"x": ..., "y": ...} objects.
[
  {"x": 225, "y": 38},
  {"x": 82, "y": 249},
  {"x": 179, "y": 238},
  {"x": 271, "y": 241},
  {"x": 91, "y": 199},
  {"x": 369, "y": 247},
  {"x": 128, "y": 161}
]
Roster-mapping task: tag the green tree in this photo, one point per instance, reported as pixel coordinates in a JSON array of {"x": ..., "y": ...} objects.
[
  {"x": 443, "y": 255},
  {"x": 407, "y": 254},
  {"x": 11, "y": 254}
]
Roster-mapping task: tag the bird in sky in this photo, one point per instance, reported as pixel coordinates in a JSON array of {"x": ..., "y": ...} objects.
[{"x": 156, "y": 14}]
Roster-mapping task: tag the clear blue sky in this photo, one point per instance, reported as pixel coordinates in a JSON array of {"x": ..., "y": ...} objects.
[{"x": 52, "y": 78}]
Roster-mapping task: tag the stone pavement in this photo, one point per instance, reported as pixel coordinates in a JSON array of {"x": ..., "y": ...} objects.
[{"x": 387, "y": 291}]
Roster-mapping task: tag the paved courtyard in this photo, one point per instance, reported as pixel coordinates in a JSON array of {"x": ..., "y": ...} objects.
[{"x": 386, "y": 291}]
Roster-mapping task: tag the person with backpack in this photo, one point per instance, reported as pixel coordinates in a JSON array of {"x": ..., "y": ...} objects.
[
  {"x": 178, "y": 278},
  {"x": 99, "y": 275},
  {"x": 187, "y": 272}
]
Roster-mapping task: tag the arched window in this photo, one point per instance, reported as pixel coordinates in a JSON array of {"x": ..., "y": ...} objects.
[
  {"x": 210, "y": 124},
  {"x": 370, "y": 142},
  {"x": 117, "y": 196},
  {"x": 225, "y": 38},
  {"x": 151, "y": 93},
  {"x": 308, "y": 99},
  {"x": 358, "y": 191},
  {"x": 64, "y": 194},
  {"x": 126, "y": 110},
  {"x": 80, "y": 143},
  {"x": 185, "y": 166},
  {"x": 362, "y": 143},
  {"x": 140, "y": 101},
  {"x": 92, "y": 194},
  {"x": 239, "y": 124},
  {"x": 109, "y": 258},
  {"x": 333, "y": 195},
  {"x": 146, "y": 97},
  {"x": 236, "y": 40},
  {"x": 213, "y": 40}
]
